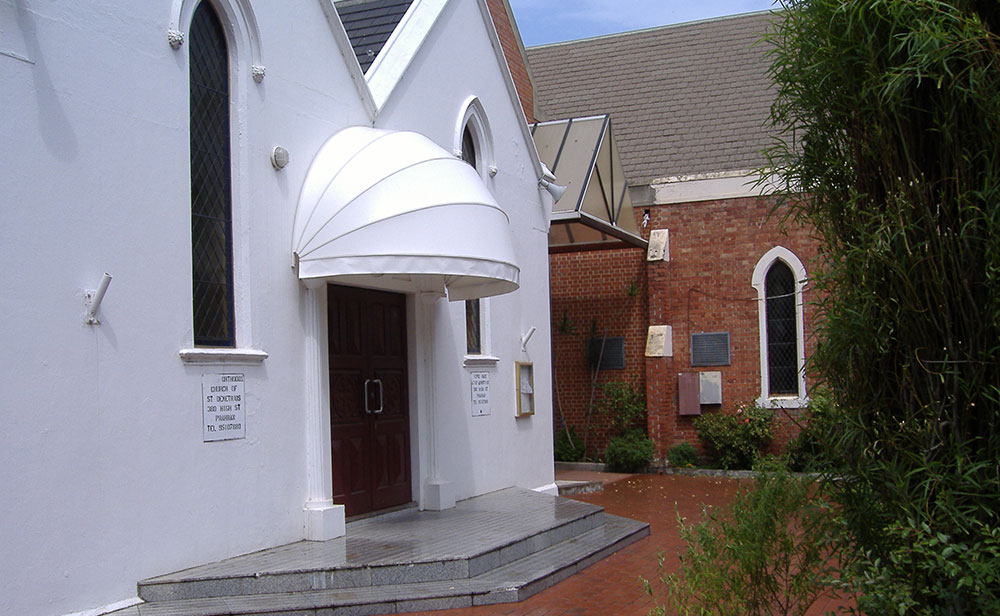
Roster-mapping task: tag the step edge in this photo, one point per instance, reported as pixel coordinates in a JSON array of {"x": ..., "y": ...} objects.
[{"x": 474, "y": 588}]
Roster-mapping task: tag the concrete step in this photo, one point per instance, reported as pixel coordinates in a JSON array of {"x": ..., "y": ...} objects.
[
  {"x": 377, "y": 559},
  {"x": 512, "y": 581}
]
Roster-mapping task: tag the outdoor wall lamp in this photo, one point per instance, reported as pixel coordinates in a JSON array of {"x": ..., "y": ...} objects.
[{"x": 279, "y": 157}]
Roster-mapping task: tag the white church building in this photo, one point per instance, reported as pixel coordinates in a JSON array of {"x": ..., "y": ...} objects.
[{"x": 250, "y": 289}]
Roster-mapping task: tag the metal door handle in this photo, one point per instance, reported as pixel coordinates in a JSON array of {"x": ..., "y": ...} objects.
[
  {"x": 368, "y": 409},
  {"x": 380, "y": 402}
]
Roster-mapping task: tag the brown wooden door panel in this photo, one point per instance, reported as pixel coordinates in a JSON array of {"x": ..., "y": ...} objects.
[
  {"x": 368, "y": 397},
  {"x": 350, "y": 476},
  {"x": 392, "y": 467}
]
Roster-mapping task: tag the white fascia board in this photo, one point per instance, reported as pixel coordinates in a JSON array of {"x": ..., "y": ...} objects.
[
  {"x": 515, "y": 100},
  {"x": 350, "y": 59},
  {"x": 399, "y": 51},
  {"x": 708, "y": 187}
]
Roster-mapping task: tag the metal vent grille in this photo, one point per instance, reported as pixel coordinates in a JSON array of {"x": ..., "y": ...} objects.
[
  {"x": 613, "y": 356},
  {"x": 710, "y": 349}
]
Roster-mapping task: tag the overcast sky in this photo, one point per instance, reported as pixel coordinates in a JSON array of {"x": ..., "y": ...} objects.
[{"x": 551, "y": 21}]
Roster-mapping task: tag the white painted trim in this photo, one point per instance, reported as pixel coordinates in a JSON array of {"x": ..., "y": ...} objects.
[
  {"x": 474, "y": 116},
  {"x": 343, "y": 43},
  {"x": 485, "y": 356},
  {"x": 399, "y": 51},
  {"x": 110, "y": 608},
  {"x": 222, "y": 356},
  {"x": 479, "y": 361},
  {"x": 485, "y": 328},
  {"x": 391, "y": 64},
  {"x": 779, "y": 253},
  {"x": 706, "y": 187},
  {"x": 536, "y": 162},
  {"x": 243, "y": 43},
  {"x": 238, "y": 20},
  {"x": 323, "y": 519}
]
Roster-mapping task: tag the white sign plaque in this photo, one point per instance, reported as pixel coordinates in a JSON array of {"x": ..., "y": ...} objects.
[
  {"x": 480, "y": 393},
  {"x": 660, "y": 341},
  {"x": 222, "y": 402}
]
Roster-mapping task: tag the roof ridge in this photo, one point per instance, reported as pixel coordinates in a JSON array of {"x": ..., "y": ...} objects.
[{"x": 652, "y": 29}]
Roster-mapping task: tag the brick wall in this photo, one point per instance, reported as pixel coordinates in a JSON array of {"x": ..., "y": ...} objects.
[
  {"x": 602, "y": 292},
  {"x": 515, "y": 60},
  {"x": 705, "y": 287}
]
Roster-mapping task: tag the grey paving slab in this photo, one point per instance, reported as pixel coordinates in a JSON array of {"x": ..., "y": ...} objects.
[
  {"x": 552, "y": 539},
  {"x": 404, "y": 547}
]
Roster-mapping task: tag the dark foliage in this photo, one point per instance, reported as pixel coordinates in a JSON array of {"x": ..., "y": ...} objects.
[
  {"x": 890, "y": 116},
  {"x": 629, "y": 453}
]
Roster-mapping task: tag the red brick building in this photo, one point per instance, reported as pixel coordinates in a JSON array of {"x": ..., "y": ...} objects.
[{"x": 689, "y": 105}]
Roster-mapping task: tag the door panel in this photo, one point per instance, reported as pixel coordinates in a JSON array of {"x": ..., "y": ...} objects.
[{"x": 370, "y": 426}]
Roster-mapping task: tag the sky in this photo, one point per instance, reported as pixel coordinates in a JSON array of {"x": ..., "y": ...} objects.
[{"x": 552, "y": 21}]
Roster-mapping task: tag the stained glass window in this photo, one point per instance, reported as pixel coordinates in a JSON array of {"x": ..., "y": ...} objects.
[
  {"x": 211, "y": 191},
  {"x": 473, "y": 317},
  {"x": 782, "y": 338}
]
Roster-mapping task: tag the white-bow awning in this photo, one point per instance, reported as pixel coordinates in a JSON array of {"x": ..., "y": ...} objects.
[{"x": 393, "y": 210}]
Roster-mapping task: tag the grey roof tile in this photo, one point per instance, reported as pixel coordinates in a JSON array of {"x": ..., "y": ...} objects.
[
  {"x": 685, "y": 99},
  {"x": 369, "y": 23}
]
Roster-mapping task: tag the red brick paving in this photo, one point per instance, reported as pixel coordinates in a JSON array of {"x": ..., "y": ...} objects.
[{"x": 611, "y": 587}]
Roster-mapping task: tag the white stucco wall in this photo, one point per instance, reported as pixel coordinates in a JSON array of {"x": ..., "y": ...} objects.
[
  {"x": 481, "y": 454},
  {"x": 106, "y": 478}
]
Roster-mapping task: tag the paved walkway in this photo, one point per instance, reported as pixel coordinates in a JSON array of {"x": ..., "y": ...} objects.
[{"x": 611, "y": 587}]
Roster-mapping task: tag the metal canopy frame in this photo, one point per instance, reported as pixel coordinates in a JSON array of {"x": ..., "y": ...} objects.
[{"x": 595, "y": 212}]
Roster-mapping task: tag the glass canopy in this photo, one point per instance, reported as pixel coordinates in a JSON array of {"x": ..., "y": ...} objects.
[{"x": 595, "y": 211}]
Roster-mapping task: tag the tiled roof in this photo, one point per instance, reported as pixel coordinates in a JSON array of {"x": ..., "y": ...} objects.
[
  {"x": 684, "y": 100},
  {"x": 369, "y": 24}
]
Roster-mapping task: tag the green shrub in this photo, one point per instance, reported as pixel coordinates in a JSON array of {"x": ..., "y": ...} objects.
[
  {"x": 767, "y": 553},
  {"x": 629, "y": 453},
  {"x": 735, "y": 440},
  {"x": 682, "y": 455},
  {"x": 623, "y": 405},
  {"x": 568, "y": 447},
  {"x": 807, "y": 451},
  {"x": 888, "y": 119}
]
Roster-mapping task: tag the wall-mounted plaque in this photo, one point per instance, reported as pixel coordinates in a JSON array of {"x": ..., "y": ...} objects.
[
  {"x": 659, "y": 245},
  {"x": 480, "y": 393},
  {"x": 660, "y": 341},
  {"x": 223, "y": 407}
]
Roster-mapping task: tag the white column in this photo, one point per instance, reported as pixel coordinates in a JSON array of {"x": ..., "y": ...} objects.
[
  {"x": 438, "y": 492},
  {"x": 323, "y": 519}
]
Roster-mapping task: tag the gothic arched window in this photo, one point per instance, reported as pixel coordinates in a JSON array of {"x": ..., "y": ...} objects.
[
  {"x": 782, "y": 335},
  {"x": 211, "y": 182}
]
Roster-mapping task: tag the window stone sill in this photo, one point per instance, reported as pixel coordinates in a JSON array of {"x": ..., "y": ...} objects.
[
  {"x": 479, "y": 361},
  {"x": 222, "y": 356},
  {"x": 791, "y": 402}
]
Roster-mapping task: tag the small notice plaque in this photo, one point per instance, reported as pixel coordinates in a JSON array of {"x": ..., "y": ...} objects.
[
  {"x": 480, "y": 393},
  {"x": 223, "y": 407},
  {"x": 659, "y": 341}
]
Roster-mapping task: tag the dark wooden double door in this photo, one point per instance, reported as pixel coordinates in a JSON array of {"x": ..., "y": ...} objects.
[{"x": 370, "y": 426}]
